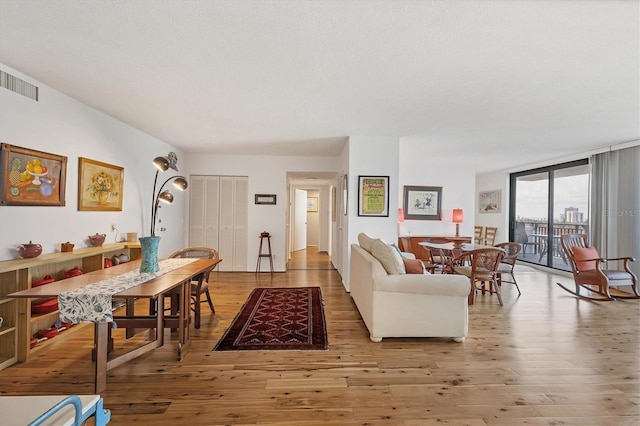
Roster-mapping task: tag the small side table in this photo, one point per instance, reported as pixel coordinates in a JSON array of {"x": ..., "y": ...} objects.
[{"x": 263, "y": 236}]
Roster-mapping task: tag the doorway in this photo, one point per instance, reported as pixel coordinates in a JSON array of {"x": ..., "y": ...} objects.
[
  {"x": 309, "y": 221},
  {"x": 547, "y": 203}
]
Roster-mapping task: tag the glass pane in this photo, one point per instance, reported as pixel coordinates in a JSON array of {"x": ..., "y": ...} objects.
[
  {"x": 570, "y": 208},
  {"x": 532, "y": 207}
]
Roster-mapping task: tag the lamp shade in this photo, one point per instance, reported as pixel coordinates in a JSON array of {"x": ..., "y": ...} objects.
[
  {"x": 162, "y": 163},
  {"x": 458, "y": 216},
  {"x": 166, "y": 196},
  {"x": 180, "y": 183},
  {"x": 400, "y": 215}
]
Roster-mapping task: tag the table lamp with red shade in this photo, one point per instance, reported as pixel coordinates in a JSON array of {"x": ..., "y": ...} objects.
[{"x": 458, "y": 218}]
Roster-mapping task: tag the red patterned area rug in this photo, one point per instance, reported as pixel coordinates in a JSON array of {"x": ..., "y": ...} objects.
[{"x": 278, "y": 319}]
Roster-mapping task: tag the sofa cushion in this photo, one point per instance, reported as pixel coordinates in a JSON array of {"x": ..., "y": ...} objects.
[
  {"x": 365, "y": 241},
  {"x": 388, "y": 256},
  {"x": 413, "y": 266}
]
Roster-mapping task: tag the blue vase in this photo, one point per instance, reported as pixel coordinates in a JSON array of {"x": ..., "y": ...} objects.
[{"x": 149, "y": 254}]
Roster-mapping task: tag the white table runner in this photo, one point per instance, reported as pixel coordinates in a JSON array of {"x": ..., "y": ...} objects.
[{"x": 92, "y": 303}]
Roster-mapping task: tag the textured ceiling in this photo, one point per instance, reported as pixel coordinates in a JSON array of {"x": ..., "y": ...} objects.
[{"x": 507, "y": 83}]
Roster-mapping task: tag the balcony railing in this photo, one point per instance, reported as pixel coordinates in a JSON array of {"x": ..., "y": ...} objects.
[{"x": 534, "y": 237}]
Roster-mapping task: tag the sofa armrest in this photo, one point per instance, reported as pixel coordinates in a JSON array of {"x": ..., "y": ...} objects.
[{"x": 428, "y": 284}]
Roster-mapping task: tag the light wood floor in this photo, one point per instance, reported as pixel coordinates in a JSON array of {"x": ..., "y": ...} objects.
[
  {"x": 545, "y": 358},
  {"x": 309, "y": 258}
]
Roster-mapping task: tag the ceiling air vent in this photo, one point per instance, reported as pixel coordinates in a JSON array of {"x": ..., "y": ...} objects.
[{"x": 13, "y": 83}]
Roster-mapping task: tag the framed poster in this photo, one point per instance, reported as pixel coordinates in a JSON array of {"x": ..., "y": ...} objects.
[
  {"x": 312, "y": 204},
  {"x": 490, "y": 201},
  {"x": 31, "y": 178},
  {"x": 423, "y": 202},
  {"x": 100, "y": 186},
  {"x": 373, "y": 196}
]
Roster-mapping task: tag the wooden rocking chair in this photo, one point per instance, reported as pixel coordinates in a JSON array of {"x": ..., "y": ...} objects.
[{"x": 586, "y": 265}]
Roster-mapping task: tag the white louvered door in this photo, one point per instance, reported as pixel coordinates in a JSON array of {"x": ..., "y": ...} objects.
[{"x": 218, "y": 218}]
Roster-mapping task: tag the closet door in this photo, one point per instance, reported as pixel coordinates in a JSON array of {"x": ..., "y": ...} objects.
[
  {"x": 218, "y": 215},
  {"x": 203, "y": 211},
  {"x": 233, "y": 223},
  {"x": 211, "y": 211},
  {"x": 241, "y": 215}
]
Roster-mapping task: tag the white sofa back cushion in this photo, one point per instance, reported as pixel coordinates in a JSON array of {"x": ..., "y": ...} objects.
[
  {"x": 388, "y": 256},
  {"x": 365, "y": 241}
]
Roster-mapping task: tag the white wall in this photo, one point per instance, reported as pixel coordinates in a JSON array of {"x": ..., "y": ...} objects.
[
  {"x": 372, "y": 156},
  {"x": 340, "y": 230},
  {"x": 60, "y": 125},
  {"x": 490, "y": 182},
  {"x": 456, "y": 176},
  {"x": 267, "y": 175}
]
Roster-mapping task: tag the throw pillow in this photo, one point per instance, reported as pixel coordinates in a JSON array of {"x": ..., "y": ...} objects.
[
  {"x": 581, "y": 254},
  {"x": 413, "y": 266},
  {"x": 388, "y": 256},
  {"x": 365, "y": 241}
]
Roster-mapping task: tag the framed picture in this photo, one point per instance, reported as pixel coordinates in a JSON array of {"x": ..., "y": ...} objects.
[
  {"x": 345, "y": 195},
  {"x": 423, "y": 202},
  {"x": 373, "y": 196},
  {"x": 100, "y": 186},
  {"x": 312, "y": 204},
  {"x": 31, "y": 178},
  {"x": 265, "y": 199},
  {"x": 490, "y": 201},
  {"x": 333, "y": 204}
]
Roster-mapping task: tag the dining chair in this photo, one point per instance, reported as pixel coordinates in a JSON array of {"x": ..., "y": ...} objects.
[
  {"x": 481, "y": 267},
  {"x": 478, "y": 234},
  {"x": 200, "y": 283},
  {"x": 588, "y": 273},
  {"x": 508, "y": 263},
  {"x": 490, "y": 235}
]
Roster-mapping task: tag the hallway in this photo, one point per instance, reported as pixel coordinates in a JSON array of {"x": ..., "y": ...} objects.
[{"x": 310, "y": 259}]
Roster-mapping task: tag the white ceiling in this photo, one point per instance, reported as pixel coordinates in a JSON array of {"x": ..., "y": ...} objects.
[{"x": 505, "y": 83}]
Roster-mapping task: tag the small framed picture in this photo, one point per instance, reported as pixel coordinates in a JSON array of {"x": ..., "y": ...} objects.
[
  {"x": 423, "y": 202},
  {"x": 373, "y": 196},
  {"x": 265, "y": 199},
  {"x": 100, "y": 186},
  {"x": 490, "y": 201},
  {"x": 312, "y": 204},
  {"x": 31, "y": 178}
]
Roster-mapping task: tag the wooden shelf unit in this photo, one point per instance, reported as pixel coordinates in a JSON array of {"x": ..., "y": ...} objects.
[{"x": 19, "y": 325}]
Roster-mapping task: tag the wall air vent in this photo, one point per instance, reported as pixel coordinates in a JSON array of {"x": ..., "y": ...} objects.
[{"x": 13, "y": 83}]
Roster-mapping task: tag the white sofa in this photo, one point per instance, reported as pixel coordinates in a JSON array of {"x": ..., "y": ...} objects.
[{"x": 407, "y": 305}]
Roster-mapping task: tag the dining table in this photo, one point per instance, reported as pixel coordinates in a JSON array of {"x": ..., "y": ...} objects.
[
  {"x": 450, "y": 252},
  {"x": 448, "y": 249},
  {"x": 89, "y": 298}
]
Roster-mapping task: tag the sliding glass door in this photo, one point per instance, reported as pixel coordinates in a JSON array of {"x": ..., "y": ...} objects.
[{"x": 545, "y": 204}]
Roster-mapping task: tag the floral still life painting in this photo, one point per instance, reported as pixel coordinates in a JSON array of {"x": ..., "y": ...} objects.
[{"x": 99, "y": 186}]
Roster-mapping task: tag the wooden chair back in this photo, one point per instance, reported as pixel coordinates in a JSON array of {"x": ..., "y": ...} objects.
[
  {"x": 477, "y": 238},
  {"x": 490, "y": 235}
]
